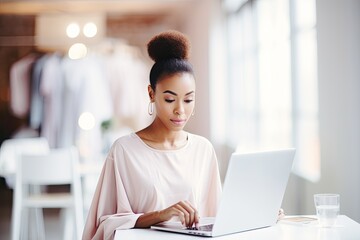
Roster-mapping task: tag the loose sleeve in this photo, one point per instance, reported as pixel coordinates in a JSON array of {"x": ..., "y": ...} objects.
[
  {"x": 110, "y": 208},
  {"x": 211, "y": 190}
]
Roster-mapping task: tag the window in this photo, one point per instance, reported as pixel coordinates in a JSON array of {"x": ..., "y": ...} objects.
[{"x": 272, "y": 88}]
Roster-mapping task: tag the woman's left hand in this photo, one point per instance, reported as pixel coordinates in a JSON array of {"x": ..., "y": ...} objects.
[{"x": 281, "y": 214}]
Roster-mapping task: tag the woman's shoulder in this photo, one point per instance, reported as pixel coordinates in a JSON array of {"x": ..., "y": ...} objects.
[
  {"x": 126, "y": 139},
  {"x": 124, "y": 145}
]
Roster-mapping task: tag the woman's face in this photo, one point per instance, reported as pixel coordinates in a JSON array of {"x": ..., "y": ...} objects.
[{"x": 174, "y": 99}]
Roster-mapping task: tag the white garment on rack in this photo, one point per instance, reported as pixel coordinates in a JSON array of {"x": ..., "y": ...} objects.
[
  {"x": 20, "y": 83},
  {"x": 127, "y": 77},
  {"x": 51, "y": 88},
  {"x": 85, "y": 90},
  {"x": 37, "y": 101}
]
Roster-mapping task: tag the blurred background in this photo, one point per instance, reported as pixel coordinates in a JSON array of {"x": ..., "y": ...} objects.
[{"x": 270, "y": 74}]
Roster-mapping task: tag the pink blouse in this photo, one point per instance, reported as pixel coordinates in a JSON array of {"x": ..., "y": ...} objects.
[{"x": 137, "y": 179}]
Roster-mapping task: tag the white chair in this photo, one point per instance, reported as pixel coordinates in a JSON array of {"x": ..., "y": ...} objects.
[
  {"x": 58, "y": 167},
  {"x": 11, "y": 149}
]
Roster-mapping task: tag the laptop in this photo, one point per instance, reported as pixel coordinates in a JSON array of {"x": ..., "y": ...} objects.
[{"x": 253, "y": 190}]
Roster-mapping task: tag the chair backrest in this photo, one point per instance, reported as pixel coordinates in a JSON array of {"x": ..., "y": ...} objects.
[
  {"x": 57, "y": 167},
  {"x": 11, "y": 149}
]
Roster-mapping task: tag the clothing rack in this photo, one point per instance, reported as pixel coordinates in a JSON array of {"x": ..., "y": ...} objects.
[{"x": 110, "y": 83}]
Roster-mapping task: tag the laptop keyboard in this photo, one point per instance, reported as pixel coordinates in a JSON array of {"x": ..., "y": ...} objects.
[{"x": 203, "y": 228}]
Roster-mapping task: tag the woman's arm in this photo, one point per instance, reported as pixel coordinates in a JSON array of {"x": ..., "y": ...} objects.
[{"x": 110, "y": 207}]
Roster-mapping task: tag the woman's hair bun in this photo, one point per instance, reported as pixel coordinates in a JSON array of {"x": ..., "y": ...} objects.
[{"x": 169, "y": 44}]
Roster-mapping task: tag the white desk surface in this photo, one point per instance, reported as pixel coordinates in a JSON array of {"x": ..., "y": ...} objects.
[{"x": 346, "y": 229}]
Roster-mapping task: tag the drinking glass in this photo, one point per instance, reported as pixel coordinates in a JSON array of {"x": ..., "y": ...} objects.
[{"x": 327, "y": 208}]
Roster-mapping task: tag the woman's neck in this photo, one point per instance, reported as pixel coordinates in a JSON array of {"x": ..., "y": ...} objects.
[{"x": 163, "y": 139}]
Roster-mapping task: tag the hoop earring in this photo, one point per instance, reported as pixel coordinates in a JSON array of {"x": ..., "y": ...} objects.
[{"x": 150, "y": 108}]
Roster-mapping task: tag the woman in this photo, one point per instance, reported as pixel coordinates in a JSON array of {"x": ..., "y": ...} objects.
[{"x": 161, "y": 172}]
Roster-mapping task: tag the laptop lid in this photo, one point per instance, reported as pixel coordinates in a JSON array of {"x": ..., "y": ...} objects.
[{"x": 253, "y": 190}]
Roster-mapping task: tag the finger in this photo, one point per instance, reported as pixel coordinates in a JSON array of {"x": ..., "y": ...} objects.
[
  {"x": 178, "y": 213},
  {"x": 181, "y": 217},
  {"x": 192, "y": 212},
  {"x": 194, "y": 216},
  {"x": 281, "y": 214},
  {"x": 184, "y": 214},
  {"x": 197, "y": 220},
  {"x": 173, "y": 211}
]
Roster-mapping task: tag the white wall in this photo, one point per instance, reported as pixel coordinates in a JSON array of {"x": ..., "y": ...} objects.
[
  {"x": 338, "y": 27},
  {"x": 196, "y": 24}
]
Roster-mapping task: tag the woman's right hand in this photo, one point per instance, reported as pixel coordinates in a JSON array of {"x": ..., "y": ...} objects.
[{"x": 187, "y": 214}]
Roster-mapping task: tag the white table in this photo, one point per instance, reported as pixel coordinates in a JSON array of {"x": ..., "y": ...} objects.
[{"x": 346, "y": 229}]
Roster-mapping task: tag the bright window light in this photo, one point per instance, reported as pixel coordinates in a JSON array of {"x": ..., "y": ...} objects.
[{"x": 273, "y": 92}]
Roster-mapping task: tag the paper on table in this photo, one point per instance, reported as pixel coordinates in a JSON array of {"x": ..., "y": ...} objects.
[{"x": 301, "y": 220}]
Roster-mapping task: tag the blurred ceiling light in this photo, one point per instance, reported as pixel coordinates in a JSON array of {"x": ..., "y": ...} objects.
[
  {"x": 73, "y": 30},
  {"x": 77, "y": 51},
  {"x": 86, "y": 121},
  {"x": 90, "y": 29}
]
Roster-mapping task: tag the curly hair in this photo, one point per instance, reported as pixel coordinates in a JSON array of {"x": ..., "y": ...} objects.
[{"x": 170, "y": 50}]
